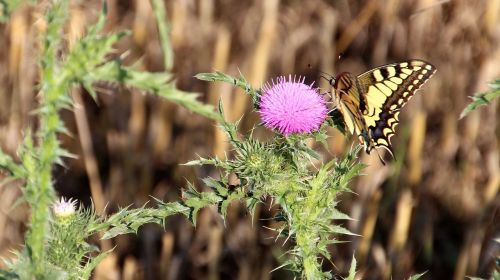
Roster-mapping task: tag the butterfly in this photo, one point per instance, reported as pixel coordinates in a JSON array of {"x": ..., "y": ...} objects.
[{"x": 371, "y": 102}]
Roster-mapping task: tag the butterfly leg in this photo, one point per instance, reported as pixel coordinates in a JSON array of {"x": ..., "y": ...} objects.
[{"x": 365, "y": 139}]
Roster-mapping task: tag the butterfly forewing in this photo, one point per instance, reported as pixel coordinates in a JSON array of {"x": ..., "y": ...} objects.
[{"x": 388, "y": 88}]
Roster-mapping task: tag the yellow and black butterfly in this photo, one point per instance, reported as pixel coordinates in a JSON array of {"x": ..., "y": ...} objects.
[{"x": 371, "y": 102}]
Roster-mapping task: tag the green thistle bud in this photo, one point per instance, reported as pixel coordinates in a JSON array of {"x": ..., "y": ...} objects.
[
  {"x": 64, "y": 210},
  {"x": 256, "y": 162}
]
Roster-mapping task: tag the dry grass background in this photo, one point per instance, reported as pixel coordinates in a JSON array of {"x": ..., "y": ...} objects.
[{"x": 434, "y": 208}]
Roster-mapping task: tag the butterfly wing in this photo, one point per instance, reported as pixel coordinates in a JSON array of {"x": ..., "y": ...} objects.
[
  {"x": 350, "y": 102},
  {"x": 387, "y": 89}
]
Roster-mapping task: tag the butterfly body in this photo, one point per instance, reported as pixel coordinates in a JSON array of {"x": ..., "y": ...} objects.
[{"x": 370, "y": 103}]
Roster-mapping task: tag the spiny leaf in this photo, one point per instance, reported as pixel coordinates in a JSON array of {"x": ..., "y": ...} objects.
[
  {"x": 237, "y": 195},
  {"x": 417, "y": 276},
  {"x": 157, "y": 83},
  {"x": 352, "y": 269},
  {"x": 207, "y": 161},
  {"x": 196, "y": 200},
  {"x": 115, "y": 231},
  {"x": 189, "y": 101},
  {"x": 217, "y": 76},
  {"x": 7, "y": 163},
  {"x": 340, "y": 230},
  {"x": 337, "y": 215},
  {"x": 92, "y": 264},
  {"x": 484, "y": 98},
  {"x": 238, "y": 82}
]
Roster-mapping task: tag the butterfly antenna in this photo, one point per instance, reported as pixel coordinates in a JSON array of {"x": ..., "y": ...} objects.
[{"x": 327, "y": 76}]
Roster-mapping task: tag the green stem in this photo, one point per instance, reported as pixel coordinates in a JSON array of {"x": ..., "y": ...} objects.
[
  {"x": 42, "y": 193},
  {"x": 163, "y": 32},
  {"x": 307, "y": 234},
  {"x": 307, "y": 209},
  {"x": 39, "y": 189}
]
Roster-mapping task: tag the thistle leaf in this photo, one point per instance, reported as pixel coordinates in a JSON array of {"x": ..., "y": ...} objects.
[
  {"x": 482, "y": 99},
  {"x": 352, "y": 269},
  {"x": 417, "y": 276}
]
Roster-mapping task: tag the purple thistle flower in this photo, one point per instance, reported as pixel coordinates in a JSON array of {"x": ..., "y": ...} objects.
[{"x": 292, "y": 106}]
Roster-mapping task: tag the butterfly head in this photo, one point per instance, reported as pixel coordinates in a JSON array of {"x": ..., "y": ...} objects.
[
  {"x": 331, "y": 79},
  {"x": 342, "y": 83}
]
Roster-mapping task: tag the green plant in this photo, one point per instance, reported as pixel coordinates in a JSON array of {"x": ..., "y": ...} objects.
[
  {"x": 84, "y": 64},
  {"x": 281, "y": 168}
]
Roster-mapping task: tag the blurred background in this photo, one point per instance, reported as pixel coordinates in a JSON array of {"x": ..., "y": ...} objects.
[{"x": 434, "y": 208}]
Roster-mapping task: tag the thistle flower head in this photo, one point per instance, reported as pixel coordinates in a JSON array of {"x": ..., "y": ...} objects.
[
  {"x": 290, "y": 106},
  {"x": 64, "y": 208}
]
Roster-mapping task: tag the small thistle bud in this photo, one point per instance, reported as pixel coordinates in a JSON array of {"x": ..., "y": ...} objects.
[
  {"x": 290, "y": 106},
  {"x": 64, "y": 209}
]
